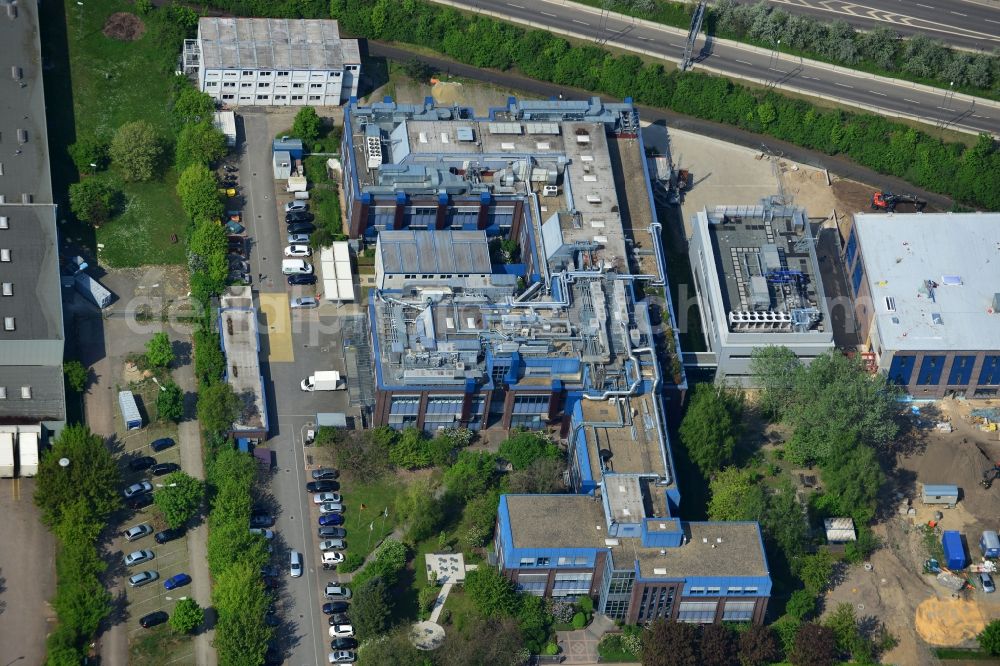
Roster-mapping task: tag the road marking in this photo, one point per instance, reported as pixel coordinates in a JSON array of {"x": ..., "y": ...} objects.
[
  {"x": 513, "y": 5},
  {"x": 992, "y": 21},
  {"x": 843, "y": 85},
  {"x": 924, "y": 6},
  {"x": 744, "y": 62},
  {"x": 811, "y": 78},
  {"x": 911, "y": 101},
  {"x": 615, "y": 29},
  {"x": 944, "y": 108},
  {"x": 958, "y": 13},
  {"x": 646, "y": 39},
  {"x": 547, "y": 14},
  {"x": 877, "y": 93},
  {"x": 580, "y": 22}
]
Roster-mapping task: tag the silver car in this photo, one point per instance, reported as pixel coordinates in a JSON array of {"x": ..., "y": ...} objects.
[
  {"x": 303, "y": 302},
  {"x": 298, "y": 239},
  {"x": 138, "y": 557},
  {"x": 331, "y": 507},
  {"x": 266, "y": 533},
  {"x": 296, "y": 206},
  {"x": 142, "y": 578},
  {"x": 332, "y": 544},
  {"x": 138, "y": 489},
  {"x": 136, "y": 532}
]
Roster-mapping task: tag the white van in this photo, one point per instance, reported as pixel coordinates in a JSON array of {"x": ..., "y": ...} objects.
[
  {"x": 296, "y": 564},
  {"x": 296, "y": 267}
]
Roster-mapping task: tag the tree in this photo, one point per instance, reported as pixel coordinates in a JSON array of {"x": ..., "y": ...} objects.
[
  {"x": 784, "y": 522},
  {"x": 814, "y": 646},
  {"x": 852, "y": 479},
  {"x": 394, "y": 649},
  {"x": 180, "y": 498},
  {"x": 136, "y": 150},
  {"x": 241, "y": 602},
  {"x": 364, "y": 454},
  {"x": 209, "y": 363},
  {"x": 470, "y": 475},
  {"x": 170, "y": 402},
  {"x": 371, "y": 608},
  {"x": 717, "y": 646},
  {"x": 89, "y": 154},
  {"x": 91, "y": 477},
  {"x": 420, "y": 510},
  {"x": 218, "y": 407},
  {"x": 816, "y": 572},
  {"x": 199, "y": 143},
  {"x": 485, "y": 641},
  {"x": 491, "y": 592},
  {"x": 199, "y": 193},
  {"x": 534, "y": 620},
  {"x": 523, "y": 447},
  {"x": 410, "y": 450},
  {"x": 844, "y": 624},
  {"x": 207, "y": 249},
  {"x": 76, "y": 375},
  {"x": 711, "y": 426},
  {"x": 736, "y": 495},
  {"x": 187, "y": 616},
  {"x": 190, "y": 104},
  {"x": 418, "y": 70},
  {"x": 307, "y": 125},
  {"x": 542, "y": 476},
  {"x": 160, "y": 351},
  {"x": 758, "y": 646},
  {"x": 775, "y": 370},
  {"x": 801, "y": 604},
  {"x": 389, "y": 559},
  {"x": 670, "y": 643},
  {"x": 93, "y": 200},
  {"x": 989, "y": 638}
]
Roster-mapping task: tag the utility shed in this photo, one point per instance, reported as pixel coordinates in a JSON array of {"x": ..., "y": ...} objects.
[
  {"x": 225, "y": 122},
  {"x": 940, "y": 494},
  {"x": 130, "y": 410},
  {"x": 282, "y": 163},
  {"x": 840, "y": 530}
]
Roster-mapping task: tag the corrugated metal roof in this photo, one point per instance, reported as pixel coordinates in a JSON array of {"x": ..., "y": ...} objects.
[
  {"x": 271, "y": 43},
  {"x": 434, "y": 252}
]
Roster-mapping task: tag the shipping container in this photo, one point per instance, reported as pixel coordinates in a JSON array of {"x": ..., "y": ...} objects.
[
  {"x": 28, "y": 448},
  {"x": 940, "y": 494},
  {"x": 954, "y": 551},
  {"x": 7, "y": 455},
  {"x": 93, "y": 290},
  {"x": 989, "y": 543},
  {"x": 130, "y": 410}
]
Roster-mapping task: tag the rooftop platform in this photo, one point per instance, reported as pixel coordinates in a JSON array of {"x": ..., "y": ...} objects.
[
  {"x": 274, "y": 43},
  {"x": 241, "y": 346},
  {"x": 434, "y": 252},
  {"x": 633, "y": 448}
]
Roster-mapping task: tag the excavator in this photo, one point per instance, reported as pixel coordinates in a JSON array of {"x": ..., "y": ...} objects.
[
  {"x": 990, "y": 475},
  {"x": 888, "y": 201}
]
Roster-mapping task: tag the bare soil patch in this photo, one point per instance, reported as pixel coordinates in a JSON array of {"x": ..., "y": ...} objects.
[{"x": 124, "y": 27}]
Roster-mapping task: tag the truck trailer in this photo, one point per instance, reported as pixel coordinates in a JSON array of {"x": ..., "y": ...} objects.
[
  {"x": 954, "y": 551},
  {"x": 93, "y": 290},
  {"x": 989, "y": 544},
  {"x": 7, "y": 455},
  {"x": 323, "y": 380},
  {"x": 27, "y": 446}
]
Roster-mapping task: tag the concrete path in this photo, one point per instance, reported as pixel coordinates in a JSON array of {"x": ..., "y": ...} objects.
[
  {"x": 189, "y": 434},
  {"x": 580, "y": 646},
  {"x": 439, "y": 602},
  {"x": 396, "y": 534}
]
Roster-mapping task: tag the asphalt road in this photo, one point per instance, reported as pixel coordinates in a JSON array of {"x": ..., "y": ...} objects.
[
  {"x": 844, "y": 86},
  {"x": 540, "y": 89},
  {"x": 966, "y": 24}
]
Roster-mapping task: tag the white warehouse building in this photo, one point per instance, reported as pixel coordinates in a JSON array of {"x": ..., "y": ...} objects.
[{"x": 273, "y": 62}]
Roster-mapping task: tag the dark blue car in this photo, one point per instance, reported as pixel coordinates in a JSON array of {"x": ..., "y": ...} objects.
[
  {"x": 180, "y": 580},
  {"x": 331, "y": 519}
]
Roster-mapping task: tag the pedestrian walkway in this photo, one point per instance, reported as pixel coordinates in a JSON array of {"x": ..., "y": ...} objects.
[
  {"x": 580, "y": 646},
  {"x": 396, "y": 534},
  {"x": 439, "y": 602}
]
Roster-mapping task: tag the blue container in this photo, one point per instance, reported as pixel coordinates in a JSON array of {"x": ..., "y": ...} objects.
[{"x": 954, "y": 551}]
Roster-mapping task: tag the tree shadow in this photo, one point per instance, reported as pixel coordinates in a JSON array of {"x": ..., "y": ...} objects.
[
  {"x": 182, "y": 352},
  {"x": 3, "y": 588}
]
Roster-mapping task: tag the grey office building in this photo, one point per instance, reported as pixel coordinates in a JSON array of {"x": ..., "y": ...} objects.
[
  {"x": 31, "y": 318},
  {"x": 758, "y": 284}
]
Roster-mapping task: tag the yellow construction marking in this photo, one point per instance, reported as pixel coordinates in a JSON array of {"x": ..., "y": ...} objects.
[
  {"x": 277, "y": 326},
  {"x": 948, "y": 622}
]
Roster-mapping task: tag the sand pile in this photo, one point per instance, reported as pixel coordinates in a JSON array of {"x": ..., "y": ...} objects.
[{"x": 948, "y": 621}]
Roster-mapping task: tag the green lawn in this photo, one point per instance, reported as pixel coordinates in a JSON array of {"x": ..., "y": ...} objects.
[
  {"x": 459, "y": 609},
  {"x": 112, "y": 82},
  {"x": 960, "y": 654},
  {"x": 375, "y": 497},
  {"x": 161, "y": 646}
]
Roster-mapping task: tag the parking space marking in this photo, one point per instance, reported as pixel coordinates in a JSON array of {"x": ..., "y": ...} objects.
[{"x": 274, "y": 307}]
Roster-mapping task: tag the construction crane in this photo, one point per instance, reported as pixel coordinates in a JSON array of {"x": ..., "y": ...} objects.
[
  {"x": 990, "y": 475},
  {"x": 888, "y": 201}
]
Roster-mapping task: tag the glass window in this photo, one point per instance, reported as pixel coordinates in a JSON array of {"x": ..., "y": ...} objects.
[
  {"x": 701, "y": 612},
  {"x": 990, "y": 374},
  {"x": 713, "y": 590},
  {"x": 738, "y": 611},
  {"x": 527, "y": 562},
  {"x": 930, "y": 371},
  {"x": 543, "y": 561},
  {"x": 852, "y": 247},
  {"x": 856, "y": 278},
  {"x": 961, "y": 370}
]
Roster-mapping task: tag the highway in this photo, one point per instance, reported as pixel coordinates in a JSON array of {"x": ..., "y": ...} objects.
[
  {"x": 966, "y": 24},
  {"x": 764, "y": 67}
]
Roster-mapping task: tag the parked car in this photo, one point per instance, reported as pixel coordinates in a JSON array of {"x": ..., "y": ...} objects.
[
  {"x": 987, "y": 581},
  {"x": 335, "y": 591},
  {"x": 304, "y": 303},
  {"x": 298, "y": 251},
  {"x": 332, "y": 558},
  {"x": 319, "y": 498},
  {"x": 325, "y": 474},
  {"x": 177, "y": 580},
  {"x": 341, "y": 631},
  {"x": 296, "y": 267},
  {"x": 301, "y": 279},
  {"x": 136, "y": 532},
  {"x": 298, "y": 239},
  {"x": 261, "y": 519},
  {"x": 139, "y": 464},
  {"x": 296, "y": 205},
  {"x": 343, "y": 643},
  {"x": 139, "y": 501},
  {"x": 161, "y": 444},
  {"x": 333, "y": 544},
  {"x": 331, "y": 507},
  {"x": 267, "y": 534},
  {"x": 298, "y": 216},
  {"x": 142, "y": 578},
  {"x": 153, "y": 619},
  {"x": 331, "y": 519},
  {"x": 138, "y": 557},
  {"x": 341, "y": 657},
  {"x": 168, "y": 534},
  {"x": 162, "y": 469},
  {"x": 322, "y": 486},
  {"x": 295, "y": 562},
  {"x": 138, "y": 489},
  {"x": 338, "y": 618},
  {"x": 331, "y": 532},
  {"x": 331, "y": 607},
  {"x": 300, "y": 227}
]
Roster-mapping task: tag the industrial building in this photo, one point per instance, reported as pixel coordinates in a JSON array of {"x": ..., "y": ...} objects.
[
  {"x": 926, "y": 291},
  {"x": 512, "y": 257},
  {"x": 273, "y": 61},
  {"x": 31, "y": 317},
  {"x": 758, "y": 284},
  {"x": 241, "y": 346}
]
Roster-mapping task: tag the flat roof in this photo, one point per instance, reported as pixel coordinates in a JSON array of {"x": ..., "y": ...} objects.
[
  {"x": 940, "y": 272},
  {"x": 631, "y": 449},
  {"x": 32, "y": 272},
  {"x": 25, "y": 156},
  {"x": 240, "y": 337},
  {"x": 274, "y": 43},
  {"x": 434, "y": 252},
  {"x": 47, "y": 401},
  {"x": 556, "y": 521}
]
